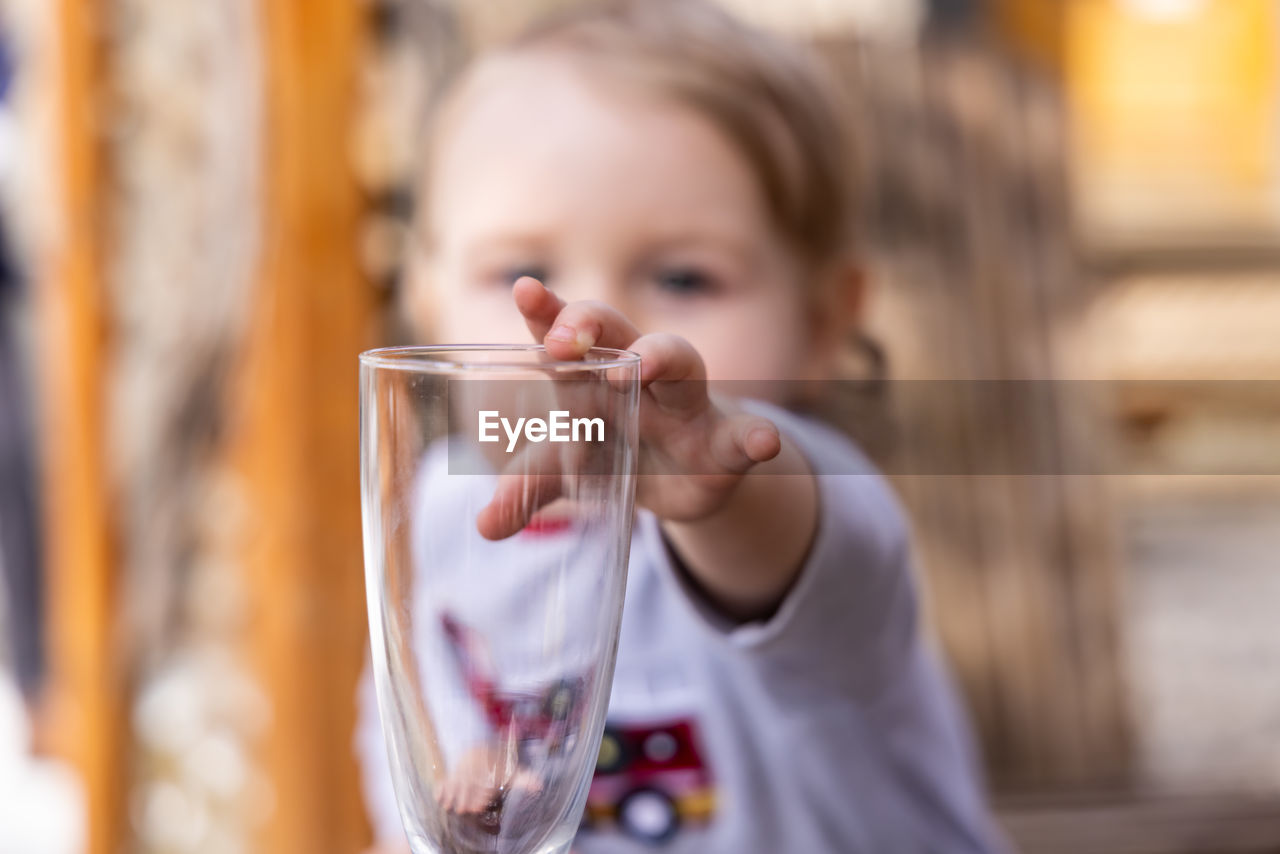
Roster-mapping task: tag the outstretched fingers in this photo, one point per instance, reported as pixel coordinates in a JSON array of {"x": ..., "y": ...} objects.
[
  {"x": 569, "y": 330},
  {"x": 537, "y": 304},
  {"x": 673, "y": 372},
  {"x": 741, "y": 441},
  {"x": 515, "y": 501},
  {"x": 533, "y": 479}
]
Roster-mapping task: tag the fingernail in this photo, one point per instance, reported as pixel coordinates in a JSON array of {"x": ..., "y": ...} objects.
[
  {"x": 563, "y": 333},
  {"x": 582, "y": 340}
]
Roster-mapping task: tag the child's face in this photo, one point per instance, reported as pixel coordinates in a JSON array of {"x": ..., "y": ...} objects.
[{"x": 606, "y": 194}]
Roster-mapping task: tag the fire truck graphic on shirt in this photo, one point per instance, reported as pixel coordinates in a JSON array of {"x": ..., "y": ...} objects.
[{"x": 650, "y": 781}]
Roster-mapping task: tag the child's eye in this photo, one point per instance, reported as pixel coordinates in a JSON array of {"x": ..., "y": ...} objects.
[
  {"x": 514, "y": 274},
  {"x": 684, "y": 281}
]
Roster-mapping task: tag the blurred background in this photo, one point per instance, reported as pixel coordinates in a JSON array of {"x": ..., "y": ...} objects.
[{"x": 204, "y": 205}]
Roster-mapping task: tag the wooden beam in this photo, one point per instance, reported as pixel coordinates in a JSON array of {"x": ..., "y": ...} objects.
[
  {"x": 87, "y": 696},
  {"x": 297, "y": 435}
]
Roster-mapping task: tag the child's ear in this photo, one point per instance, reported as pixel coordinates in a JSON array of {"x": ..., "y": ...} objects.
[
  {"x": 851, "y": 295},
  {"x": 840, "y": 308}
]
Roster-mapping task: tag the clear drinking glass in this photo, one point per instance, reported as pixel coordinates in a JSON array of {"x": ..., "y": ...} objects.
[{"x": 495, "y": 559}]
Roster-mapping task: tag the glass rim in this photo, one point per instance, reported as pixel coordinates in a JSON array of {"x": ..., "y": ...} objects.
[{"x": 424, "y": 357}]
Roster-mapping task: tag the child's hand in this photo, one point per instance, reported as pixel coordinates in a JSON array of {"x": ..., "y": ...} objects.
[
  {"x": 743, "y": 540},
  {"x": 693, "y": 451}
]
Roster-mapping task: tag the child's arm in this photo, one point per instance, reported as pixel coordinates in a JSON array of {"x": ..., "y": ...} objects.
[
  {"x": 745, "y": 555},
  {"x": 742, "y": 539}
]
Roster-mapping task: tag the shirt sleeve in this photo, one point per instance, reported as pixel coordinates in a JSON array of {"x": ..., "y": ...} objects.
[{"x": 850, "y": 619}]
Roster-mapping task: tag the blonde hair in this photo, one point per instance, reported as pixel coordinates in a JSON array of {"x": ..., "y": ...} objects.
[{"x": 770, "y": 98}]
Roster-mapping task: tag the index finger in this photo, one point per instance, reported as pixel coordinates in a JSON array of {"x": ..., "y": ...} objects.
[
  {"x": 537, "y": 304},
  {"x": 569, "y": 330},
  {"x": 583, "y": 325}
]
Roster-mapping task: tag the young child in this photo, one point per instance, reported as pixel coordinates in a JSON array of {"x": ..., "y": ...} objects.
[{"x": 655, "y": 176}]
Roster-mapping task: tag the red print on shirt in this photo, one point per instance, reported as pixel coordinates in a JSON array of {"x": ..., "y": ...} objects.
[{"x": 650, "y": 780}]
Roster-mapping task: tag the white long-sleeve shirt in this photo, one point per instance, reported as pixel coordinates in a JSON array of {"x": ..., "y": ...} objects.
[{"x": 830, "y": 727}]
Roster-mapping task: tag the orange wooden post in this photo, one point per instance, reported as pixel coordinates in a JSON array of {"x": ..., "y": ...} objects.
[
  {"x": 86, "y": 711},
  {"x": 297, "y": 428}
]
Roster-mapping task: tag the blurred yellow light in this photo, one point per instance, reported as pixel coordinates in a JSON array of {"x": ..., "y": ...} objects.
[
  {"x": 1164, "y": 10},
  {"x": 1176, "y": 115}
]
